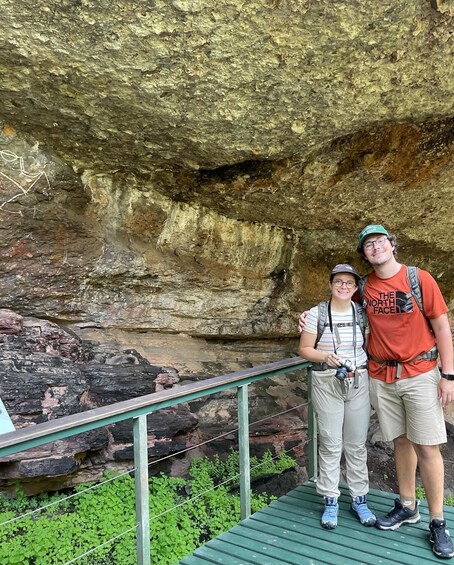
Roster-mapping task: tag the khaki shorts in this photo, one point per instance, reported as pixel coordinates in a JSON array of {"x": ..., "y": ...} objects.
[{"x": 410, "y": 407}]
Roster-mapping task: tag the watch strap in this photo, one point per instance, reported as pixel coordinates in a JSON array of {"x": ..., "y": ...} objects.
[{"x": 448, "y": 376}]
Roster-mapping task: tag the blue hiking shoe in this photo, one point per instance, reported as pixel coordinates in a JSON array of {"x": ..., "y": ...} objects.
[
  {"x": 360, "y": 509},
  {"x": 329, "y": 516}
]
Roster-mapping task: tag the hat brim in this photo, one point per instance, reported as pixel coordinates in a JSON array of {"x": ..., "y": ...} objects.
[{"x": 375, "y": 232}]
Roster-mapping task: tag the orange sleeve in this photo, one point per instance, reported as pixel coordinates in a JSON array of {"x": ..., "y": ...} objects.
[{"x": 433, "y": 302}]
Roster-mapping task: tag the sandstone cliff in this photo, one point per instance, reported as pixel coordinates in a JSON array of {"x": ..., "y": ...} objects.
[
  {"x": 177, "y": 174},
  {"x": 196, "y": 166}
]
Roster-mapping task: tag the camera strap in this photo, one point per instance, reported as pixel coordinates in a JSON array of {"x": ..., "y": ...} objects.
[{"x": 335, "y": 332}]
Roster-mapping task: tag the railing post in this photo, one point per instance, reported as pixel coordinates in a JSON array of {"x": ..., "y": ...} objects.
[
  {"x": 142, "y": 490},
  {"x": 311, "y": 430},
  {"x": 243, "y": 441}
]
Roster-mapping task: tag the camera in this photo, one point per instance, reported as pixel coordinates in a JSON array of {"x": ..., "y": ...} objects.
[{"x": 346, "y": 367}]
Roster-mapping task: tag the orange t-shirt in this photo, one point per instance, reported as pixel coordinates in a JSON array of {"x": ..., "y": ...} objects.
[{"x": 398, "y": 329}]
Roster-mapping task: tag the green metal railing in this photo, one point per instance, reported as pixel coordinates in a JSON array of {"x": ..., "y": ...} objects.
[{"x": 139, "y": 408}]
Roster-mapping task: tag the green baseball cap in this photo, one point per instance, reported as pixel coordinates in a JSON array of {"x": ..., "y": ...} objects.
[{"x": 371, "y": 229}]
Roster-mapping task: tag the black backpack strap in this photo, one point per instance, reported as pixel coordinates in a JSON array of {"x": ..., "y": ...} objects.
[
  {"x": 321, "y": 320},
  {"x": 361, "y": 285},
  {"x": 362, "y": 321},
  {"x": 413, "y": 281}
]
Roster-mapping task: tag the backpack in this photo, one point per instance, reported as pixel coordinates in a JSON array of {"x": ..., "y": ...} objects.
[
  {"x": 413, "y": 281},
  {"x": 322, "y": 320}
]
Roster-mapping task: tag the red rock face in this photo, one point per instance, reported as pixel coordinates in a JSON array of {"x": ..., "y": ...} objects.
[
  {"x": 10, "y": 322},
  {"x": 47, "y": 372}
]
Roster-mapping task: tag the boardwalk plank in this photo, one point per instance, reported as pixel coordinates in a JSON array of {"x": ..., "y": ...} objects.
[{"x": 288, "y": 532}]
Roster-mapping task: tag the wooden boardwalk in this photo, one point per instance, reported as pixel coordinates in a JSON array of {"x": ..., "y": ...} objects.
[{"x": 289, "y": 532}]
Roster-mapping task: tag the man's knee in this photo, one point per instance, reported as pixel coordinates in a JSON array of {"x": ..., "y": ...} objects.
[
  {"x": 427, "y": 452},
  {"x": 401, "y": 441}
]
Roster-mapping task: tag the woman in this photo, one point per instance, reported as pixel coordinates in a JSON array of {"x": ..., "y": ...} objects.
[{"x": 340, "y": 394}]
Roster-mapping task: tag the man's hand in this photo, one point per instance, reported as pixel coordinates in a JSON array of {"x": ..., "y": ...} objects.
[
  {"x": 445, "y": 391},
  {"x": 302, "y": 321}
]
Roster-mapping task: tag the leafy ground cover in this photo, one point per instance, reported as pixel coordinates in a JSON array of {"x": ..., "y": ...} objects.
[{"x": 184, "y": 514}]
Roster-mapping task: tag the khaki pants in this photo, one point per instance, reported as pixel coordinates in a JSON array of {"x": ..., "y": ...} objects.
[{"x": 343, "y": 422}]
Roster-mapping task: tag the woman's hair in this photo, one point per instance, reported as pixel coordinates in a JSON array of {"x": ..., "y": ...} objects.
[{"x": 392, "y": 240}]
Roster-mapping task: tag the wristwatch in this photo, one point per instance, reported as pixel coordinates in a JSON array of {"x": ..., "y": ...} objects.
[{"x": 448, "y": 376}]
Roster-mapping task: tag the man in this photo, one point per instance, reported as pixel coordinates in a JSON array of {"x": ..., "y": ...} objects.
[{"x": 406, "y": 388}]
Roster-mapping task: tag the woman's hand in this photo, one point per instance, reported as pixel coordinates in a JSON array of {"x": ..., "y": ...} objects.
[{"x": 332, "y": 360}]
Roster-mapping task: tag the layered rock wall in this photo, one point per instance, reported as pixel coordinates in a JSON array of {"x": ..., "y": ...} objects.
[
  {"x": 197, "y": 166},
  {"x": 48, "y": 372},
  {"x": 179, "y": 177}
]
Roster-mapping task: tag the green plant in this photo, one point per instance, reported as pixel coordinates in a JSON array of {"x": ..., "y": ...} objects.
[
  {"x": 184, "y": 513},
  {"x": 221, "y": 470},
  {"x": 420, "y": 492},
  {"x": 421, "y": 495}
]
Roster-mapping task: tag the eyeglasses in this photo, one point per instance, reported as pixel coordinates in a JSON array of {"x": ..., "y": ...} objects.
[
  {"x": 377, "y": 243},
  {"x": 339, "y": 283}
]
